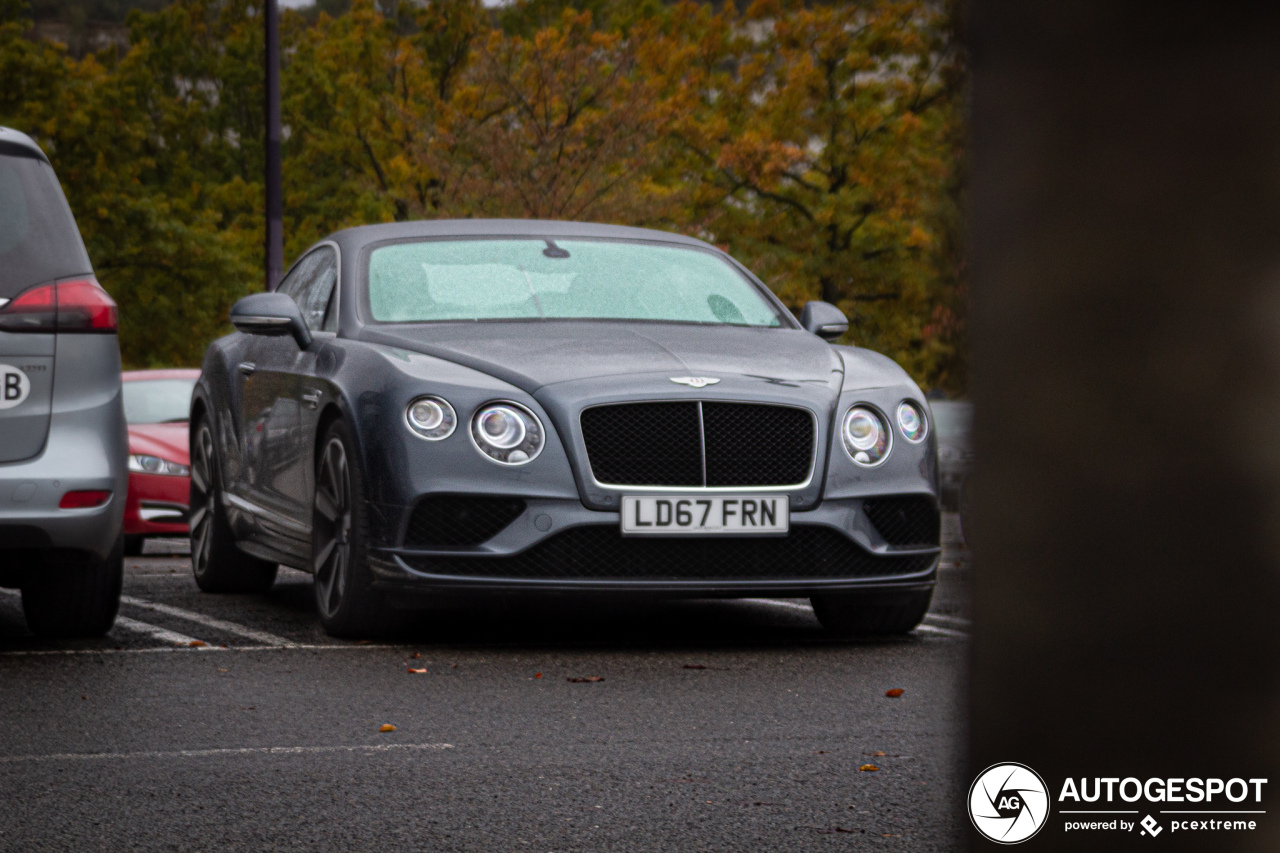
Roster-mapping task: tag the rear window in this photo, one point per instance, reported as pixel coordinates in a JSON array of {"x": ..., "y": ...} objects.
[{"x": 39, "y": 240}]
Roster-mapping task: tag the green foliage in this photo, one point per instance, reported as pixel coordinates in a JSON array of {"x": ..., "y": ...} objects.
[{"x": 820, "y": 144}]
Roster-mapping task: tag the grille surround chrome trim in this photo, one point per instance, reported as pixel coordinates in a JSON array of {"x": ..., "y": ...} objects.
[{"x": 703, "y": 490}]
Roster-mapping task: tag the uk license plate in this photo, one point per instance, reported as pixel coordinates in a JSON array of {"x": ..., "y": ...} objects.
[{"x": 722, "y": 514}]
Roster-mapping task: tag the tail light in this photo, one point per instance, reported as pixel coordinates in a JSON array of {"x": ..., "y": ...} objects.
[
  {"x": 78, "y": 305},
  {"x": 83, "y": 499}
]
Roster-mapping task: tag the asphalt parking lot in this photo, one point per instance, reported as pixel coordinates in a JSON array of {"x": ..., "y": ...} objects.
[{"x": 233, "y": 722}]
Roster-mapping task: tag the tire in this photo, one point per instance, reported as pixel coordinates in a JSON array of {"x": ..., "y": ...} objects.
[
  {"x": 346, "y": 600},
  {"x": 871, "y": 614},
  {"x": 133, "y": 546},
  {"x": 216, "y": 562},
  {"x": 79, "y": 601}
]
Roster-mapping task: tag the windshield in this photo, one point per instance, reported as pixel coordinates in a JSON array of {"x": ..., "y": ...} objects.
[
  {"x": 156, "y": 401},
  {"x": 542, "y": 279}
]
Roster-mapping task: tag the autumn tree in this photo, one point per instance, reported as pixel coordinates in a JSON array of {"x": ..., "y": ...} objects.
[
  {"x": 819, "y": 144},
  {"x": 822, "y": 139}
]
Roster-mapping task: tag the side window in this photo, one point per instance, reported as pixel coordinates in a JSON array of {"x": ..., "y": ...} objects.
[{"x": 310, "y": 284}]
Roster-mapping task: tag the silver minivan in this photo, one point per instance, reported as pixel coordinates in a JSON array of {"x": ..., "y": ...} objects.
[{"x": 63, "y": 444}]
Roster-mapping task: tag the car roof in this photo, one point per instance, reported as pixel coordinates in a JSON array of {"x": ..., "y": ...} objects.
[
  {"x": 15, "y": 142},
  {"x": 427, "y": 228},
  {"x": 167, "y": 373}
]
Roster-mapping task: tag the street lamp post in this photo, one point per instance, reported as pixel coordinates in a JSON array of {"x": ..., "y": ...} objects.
[{"x": 274, "y": 188}]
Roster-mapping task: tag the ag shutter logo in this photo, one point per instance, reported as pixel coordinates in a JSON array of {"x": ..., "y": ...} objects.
[
  {"x": 1008, "y": 803},
  {"x": 14, "y": 386}
]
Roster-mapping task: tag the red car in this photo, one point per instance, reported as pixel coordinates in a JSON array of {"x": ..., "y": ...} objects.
[{"x": 156, "y": 405}]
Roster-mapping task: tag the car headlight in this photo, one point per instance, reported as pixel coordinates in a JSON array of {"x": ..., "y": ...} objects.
[
  {"x": 912, "y": 422},
  {"x": 431, "y": 418},
  {"x": 507, "y": 433},
  {"x": 865, "y": 435},
  {"x": 144, "y": 464}
]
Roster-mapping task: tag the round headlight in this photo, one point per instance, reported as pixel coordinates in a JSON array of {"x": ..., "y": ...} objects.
[
  {"x": 431, "y": 418},
  {"x": 912, "y": 422},
  {"x": 500, "y": 427},
  {"x": 507, "y": 433},
  {"x": 865, "y": 436}
]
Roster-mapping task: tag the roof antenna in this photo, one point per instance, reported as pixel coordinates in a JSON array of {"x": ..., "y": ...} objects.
[{"x": 554, "y": 251}]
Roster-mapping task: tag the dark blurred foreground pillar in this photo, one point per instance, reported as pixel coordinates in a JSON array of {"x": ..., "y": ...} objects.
[{"x": 1126, "y": 327}]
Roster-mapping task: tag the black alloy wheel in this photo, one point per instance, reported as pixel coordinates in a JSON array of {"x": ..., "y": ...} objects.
[
  {"x": 201, "y": 499},
  {"x": 216, "y": 562},
  {"x": 331, "y": 528},
  {"x": 348, "y": 604}
]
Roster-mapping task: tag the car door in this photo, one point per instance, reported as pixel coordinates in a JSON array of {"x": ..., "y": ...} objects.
[
  {"x": 318, "y": 302},
  {"x": 271, "y": 426},
  {"x": 286, "y": 377}
]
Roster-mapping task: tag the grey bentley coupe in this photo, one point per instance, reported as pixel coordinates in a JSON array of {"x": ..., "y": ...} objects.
[{"x": 518, "y": 405}]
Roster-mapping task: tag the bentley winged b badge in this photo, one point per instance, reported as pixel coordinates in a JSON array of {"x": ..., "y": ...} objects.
[{"x": 695, "y": 381}]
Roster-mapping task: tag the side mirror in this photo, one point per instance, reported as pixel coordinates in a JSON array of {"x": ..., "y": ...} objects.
[
  {"x": 824, "y": 320},
  {"x": 271, "y": 314}
]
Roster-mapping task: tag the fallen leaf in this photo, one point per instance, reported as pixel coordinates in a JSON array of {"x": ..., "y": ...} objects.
[
  {"x": 695, "y": 666},
  {"x": 889, "y": 835},
  {"x": 590, "y": 679},
  {"x": 869, "y": 767},
  {"x": 386, "y": 727},
  {"x": 224, "y": 645},
  {"x": 895, "y": 692},
  {"x": 878, "y": 753},
  {"x": 197, "y": 644},
  {"x": 220, "y": 669},
  {"x": 537, "y": 675},
  {"x": 411, "y": 669},
  {"x": 455, "y": 666},
  {"x": 819, "y": 752},
  {"x": 416, "y": 655}
]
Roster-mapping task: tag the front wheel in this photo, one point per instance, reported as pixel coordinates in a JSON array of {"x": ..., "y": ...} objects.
[
  {"x": 348, "y": 604},
  {"x": 75, "y": 601},
  {"x": 873, "y": 613},
  {"x": 216, "y": 562}
]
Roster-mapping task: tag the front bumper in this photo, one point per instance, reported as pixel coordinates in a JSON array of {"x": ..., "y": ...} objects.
[
  {"x": 562, "y": 545},
  {"x": 157, "y": 505}
]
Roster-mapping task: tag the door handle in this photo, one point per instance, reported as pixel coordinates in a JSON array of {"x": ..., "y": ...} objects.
[
  {"x": 248, "y": 367},
  {"x": 312, "y": 398}
]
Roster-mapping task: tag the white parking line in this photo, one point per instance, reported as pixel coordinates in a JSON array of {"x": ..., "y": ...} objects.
[
  {"x": 930, "y": 629},
  {"x": 946, "y": 632},
  {"x": 791, "y": 604},
  {"x": 954, "y": 620},
  {"x": 318, "y": 647},
  {"x": 157, "y": 633},
  {"x": 204, "y": 753},
  {"x": 261, "y": 637}
]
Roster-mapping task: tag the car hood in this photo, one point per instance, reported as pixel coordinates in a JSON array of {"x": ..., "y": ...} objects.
[
  {"x": 168, "y": 441},
  {"x": 534, "y": 355}
]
